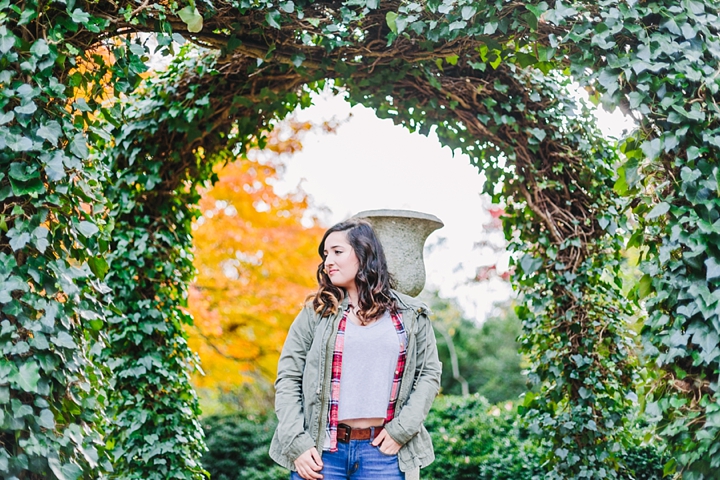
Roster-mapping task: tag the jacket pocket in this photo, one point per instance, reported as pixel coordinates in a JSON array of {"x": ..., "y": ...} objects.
[{"x": 418, "y": 452}]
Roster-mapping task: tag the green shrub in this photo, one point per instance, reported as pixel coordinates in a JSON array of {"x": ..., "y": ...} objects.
[
  {"x": 473, "y": 439},
  {"x": 238, "y": 448},
  {"x": 476, "y": 440}
]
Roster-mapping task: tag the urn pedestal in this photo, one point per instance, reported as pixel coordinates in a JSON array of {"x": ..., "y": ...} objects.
[{"x": 403, "y": 234}]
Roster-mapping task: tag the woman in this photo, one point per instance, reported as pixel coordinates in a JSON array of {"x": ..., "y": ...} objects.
[{"x": 358, "y": 372}]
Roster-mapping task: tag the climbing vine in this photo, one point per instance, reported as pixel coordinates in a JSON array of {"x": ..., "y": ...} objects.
[
  {"x": 154, "y": 422},
  {"x": 52, "y": 243},
  {"x": 659, "y": 60},
  {"x": 100, "y": 170}
]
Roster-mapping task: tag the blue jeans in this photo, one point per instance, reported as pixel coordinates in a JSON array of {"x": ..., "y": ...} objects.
[{"x": 358, "y": 460}]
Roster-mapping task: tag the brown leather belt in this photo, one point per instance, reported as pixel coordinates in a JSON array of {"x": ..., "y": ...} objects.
[{"x": 345, "y": 433}]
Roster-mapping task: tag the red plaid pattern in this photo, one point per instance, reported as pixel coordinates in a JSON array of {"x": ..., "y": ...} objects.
[
  {"x": 335, "y": 383},
  {"x": 331, "y": 431},
  {"x": 402, "y": 356}
]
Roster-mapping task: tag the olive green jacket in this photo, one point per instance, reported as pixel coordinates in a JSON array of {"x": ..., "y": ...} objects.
[{"x": 302, "y": 388}]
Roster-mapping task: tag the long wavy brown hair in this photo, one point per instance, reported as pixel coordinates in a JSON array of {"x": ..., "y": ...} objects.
[{"x": 373, "y": 279}]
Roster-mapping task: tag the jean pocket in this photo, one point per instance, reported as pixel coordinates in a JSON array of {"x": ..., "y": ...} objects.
[{"x": 394, "y": 455}]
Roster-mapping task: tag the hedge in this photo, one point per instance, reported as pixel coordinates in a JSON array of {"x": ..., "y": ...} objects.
[{"x": 473, "y": 439}]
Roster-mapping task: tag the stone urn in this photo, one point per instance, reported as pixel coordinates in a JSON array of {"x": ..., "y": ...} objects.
[{"x": 403, "y": 234}]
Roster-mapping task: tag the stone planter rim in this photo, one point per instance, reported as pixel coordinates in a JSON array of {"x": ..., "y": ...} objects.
[{"x": 385, "y": 212}]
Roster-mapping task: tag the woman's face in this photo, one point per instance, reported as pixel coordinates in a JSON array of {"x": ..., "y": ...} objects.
[{"x": 341, "y": 263}]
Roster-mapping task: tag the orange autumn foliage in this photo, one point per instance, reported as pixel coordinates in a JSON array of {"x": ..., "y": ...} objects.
[{"x": 255, "y": 262}]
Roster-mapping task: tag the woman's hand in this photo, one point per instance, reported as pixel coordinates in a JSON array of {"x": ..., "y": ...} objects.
[
  {"x": 309, "y": 464},
  {"x": 387, "y": 445}
]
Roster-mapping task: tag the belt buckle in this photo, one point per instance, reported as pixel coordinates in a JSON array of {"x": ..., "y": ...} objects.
[{"x": 348, "y": 430}]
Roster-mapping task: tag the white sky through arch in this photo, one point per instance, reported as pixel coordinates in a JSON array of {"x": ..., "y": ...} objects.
[{"x": 373, "y": 164}]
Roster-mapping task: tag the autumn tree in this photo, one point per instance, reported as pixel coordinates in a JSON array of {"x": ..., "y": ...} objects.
[{"x": 256, "y": 254}]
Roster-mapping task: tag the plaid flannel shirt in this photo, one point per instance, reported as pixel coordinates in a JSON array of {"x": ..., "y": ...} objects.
[{"x": 337, "y": 370}]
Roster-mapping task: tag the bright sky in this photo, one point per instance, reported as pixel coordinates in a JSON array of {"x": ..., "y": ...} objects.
[{"x": 372, "y": 164}]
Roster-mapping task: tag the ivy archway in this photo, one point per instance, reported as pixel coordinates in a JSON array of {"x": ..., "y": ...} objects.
[{"x": 95, "y": 245}]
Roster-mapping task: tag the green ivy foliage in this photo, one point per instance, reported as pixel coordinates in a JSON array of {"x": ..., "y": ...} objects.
[
  {"x": 660, "y": 60},
  {"x": 53, "y": 235},
  {"x": 574, "y": 316},
  {"x": 153, "y": 431},
  {"x": 491, "y": 77}
]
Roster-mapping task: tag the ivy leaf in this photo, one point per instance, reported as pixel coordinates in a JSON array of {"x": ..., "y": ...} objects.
[
  {"x": 538, "y": 133},
  {"x": 713, "y": 268},
  {"x": 670, "y": 467},
  {"x": 561, "y": 11},
  {"x": 69, "y": 471},
  {"x": 401, "y": 23},
  {"x": 708, "y": 340},
  {"x": 23, "y": 172},
  {"x": 79, "y": 148},
  {"x": 7, "y": 40},
  {"x": 672, "y": 26},
  {"x": 27, "y": 376},
  {"x": 644, "y": 286},
  {"x": 272, "y": 18},
  {"x": 609, "y": 80},
  {"x": 96, "y": 324},
  {"x": 529, "y": 264},
  {"x": 99, "y": 266},
  {"x": 467, "y": 12},
  {"x": 298, "y": 59},
  {"x": 446, "y": 7},
  {"x": 562, "y": 453},
  {"x": 525, "y": 59},
  {"x": 54, "y": 168},
  {"x": 46, "y": 419},
  {"x": 689, "y": 176},
  {"x": 192, "y": 18},
  {"x": 40, "y": 48},
  {"x": 696, "y": 8},
  {"x": 660, "y": 209},
  {"x": 50, "y": 131},
  {"x": 88, "y": 229},
  {"x": 538, "y": 9},
  {"x": 27, "y": 109},
  {"x": 391, "y": 19},
  {"x": 78, "y": 16},
  {"x": 64, "y": 340},
  {"x": 19, "y": 241},
  {"x": 7, "y": 117},
  {"x": 287, "y": 7},
  {"x": 651, "y": 148},
  {"x": 458, "y": 25},
  {"x": 40, "y": 235}
]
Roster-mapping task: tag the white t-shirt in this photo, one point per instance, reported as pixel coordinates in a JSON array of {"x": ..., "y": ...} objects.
[{"x": 369, "y": 360}]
